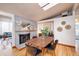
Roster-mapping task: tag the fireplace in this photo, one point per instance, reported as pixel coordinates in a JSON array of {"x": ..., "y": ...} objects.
[{"x": 23, "y": 38}]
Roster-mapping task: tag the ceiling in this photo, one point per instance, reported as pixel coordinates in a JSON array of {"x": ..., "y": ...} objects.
[{"x": 32, "y": 11}]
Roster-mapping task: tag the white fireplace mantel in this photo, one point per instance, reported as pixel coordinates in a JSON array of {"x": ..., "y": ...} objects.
[{"x": 32, "y": 33}]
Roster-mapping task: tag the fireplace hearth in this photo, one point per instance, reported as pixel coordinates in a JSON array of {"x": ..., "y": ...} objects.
[{"x": 23, "y": 38}]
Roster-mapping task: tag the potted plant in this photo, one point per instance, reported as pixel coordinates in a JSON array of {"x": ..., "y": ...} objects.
[{"x": 45, "y": 31}]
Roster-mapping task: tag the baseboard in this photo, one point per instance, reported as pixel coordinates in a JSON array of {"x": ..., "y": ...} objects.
[{"x": 66, "y": 45}]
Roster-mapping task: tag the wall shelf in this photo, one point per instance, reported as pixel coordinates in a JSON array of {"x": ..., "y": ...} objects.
[{"x": 27, "y": 31}]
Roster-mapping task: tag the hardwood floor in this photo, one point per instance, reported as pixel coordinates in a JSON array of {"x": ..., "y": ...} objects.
[{"x": 61, "y": 50}]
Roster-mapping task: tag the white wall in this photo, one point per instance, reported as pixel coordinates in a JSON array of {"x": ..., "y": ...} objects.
[
  {"x": 66, "y": 36},
  {"x": 0, "y": 28}
]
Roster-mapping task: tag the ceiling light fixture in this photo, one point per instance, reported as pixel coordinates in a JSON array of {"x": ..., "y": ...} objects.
[{"x": 46, "y": 6}]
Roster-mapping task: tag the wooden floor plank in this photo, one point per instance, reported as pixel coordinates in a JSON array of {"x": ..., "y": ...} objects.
[{"x": 60, "y": 51}]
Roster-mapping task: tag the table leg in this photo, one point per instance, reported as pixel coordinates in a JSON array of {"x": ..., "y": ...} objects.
[{"x": 44, "y": 50}]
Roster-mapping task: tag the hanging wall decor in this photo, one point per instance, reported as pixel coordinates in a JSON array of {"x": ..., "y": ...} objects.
[
  {"x": 59, "y": 29},
  {"x": 63, "y": 22},
  {"x": 68, "y": 27}
]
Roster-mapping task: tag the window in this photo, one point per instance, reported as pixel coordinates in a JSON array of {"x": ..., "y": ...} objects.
[
  {"x": 77, "y": 29},
  {"x": 6, "y": 27},
  {"x": 46, "y": 6}
]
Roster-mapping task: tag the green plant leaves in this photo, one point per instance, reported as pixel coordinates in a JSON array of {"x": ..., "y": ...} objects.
[{"x": 45, "y": 31}]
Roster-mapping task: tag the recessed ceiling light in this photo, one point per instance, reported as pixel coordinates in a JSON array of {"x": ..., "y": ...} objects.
[{"x": 46, "y": 6}]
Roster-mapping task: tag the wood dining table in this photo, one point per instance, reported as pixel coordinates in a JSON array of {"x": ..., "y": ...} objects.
[{"x": 39, "y": 43}]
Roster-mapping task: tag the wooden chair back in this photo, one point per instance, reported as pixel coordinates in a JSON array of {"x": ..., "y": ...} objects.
[
  {"x": 30, "y": 51},
  {"x": 34, "y": 37},
  {"x": 55, "y": 44}
]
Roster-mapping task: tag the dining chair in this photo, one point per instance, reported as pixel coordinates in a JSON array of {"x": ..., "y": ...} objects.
[
  {"x": 55, "y": 44},
  {"x": 30, "y": 51},
  {"x": 40, "y": 34},
  {"x": 52, "y": 47},
  {"x": 51, "y": 34},
  {"x": 38, "y": 52},
  {"x": 34, "y": 37}
]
